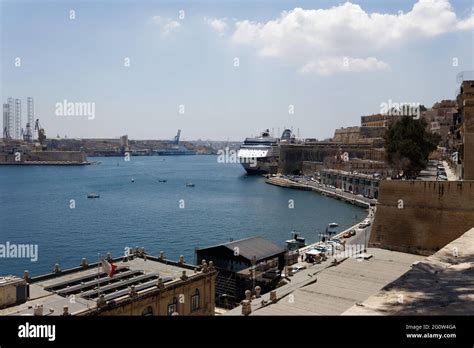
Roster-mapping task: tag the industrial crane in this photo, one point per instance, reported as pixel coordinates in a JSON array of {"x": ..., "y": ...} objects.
[{"x": 40, "y": 130}]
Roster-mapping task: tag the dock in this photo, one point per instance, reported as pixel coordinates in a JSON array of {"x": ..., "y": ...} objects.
[{"x": 343, "y": 196}]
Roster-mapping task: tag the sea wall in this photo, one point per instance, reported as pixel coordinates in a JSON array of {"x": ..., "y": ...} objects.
[
  {"x": 421, "y": 217},
  {"x": 73, "y": 157},
  {"x": 292, "y": 156}
]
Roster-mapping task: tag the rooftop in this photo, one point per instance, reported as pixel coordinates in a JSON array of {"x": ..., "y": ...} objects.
[
  {"x": 331, "y": 290},
  {"x": 252, "y": 247},
  {"x": 80, "y": 288},
  {"x": 441, "y": 284}
]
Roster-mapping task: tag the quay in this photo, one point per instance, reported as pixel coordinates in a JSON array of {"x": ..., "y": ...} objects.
[
  {"x": 307, "y": 185},
  {"x": 46, "y": 163}
]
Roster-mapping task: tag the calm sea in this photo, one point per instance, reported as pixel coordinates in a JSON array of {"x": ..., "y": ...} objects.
[{"x": 35, "y": 205}]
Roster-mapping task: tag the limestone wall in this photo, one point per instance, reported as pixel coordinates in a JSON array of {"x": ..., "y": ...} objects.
[
  {"x": 157, "y": 303},
  {"x": 71, "y": 156},
  {"x": 45, "y": 156},
  {"x": 422, "y": 216},
  {"x": 292, "y": 156}
]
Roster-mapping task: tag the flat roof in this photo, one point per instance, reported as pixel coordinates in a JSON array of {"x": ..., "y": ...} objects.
[
  {"x": 55, "y": 291},
  {"x": 441, "y": 284},
  {"x": 251, "y": 247},
  {"x": 331, "y": 290}
]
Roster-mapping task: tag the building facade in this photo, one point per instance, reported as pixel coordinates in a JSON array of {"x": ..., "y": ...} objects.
[
  {"x": 141, "y": 285},
  {"x": 363, "y": 184},
  {"x": 466, "y": 110}
]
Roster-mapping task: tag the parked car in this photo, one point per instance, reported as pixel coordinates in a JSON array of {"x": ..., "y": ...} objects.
[{"x": 296, "y": 269}]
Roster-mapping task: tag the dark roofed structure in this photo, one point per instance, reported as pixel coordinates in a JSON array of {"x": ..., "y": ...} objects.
[
  {"x": 243, "y": 264},
  {"x": 253, "y": 247}
]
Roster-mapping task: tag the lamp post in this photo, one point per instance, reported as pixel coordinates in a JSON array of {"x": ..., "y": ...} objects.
[{"x": 365, "y": 239}]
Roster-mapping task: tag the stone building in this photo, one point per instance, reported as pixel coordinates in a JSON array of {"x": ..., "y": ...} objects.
[
  {"x": 378, "y": 120},
  {"x": 293, "y": 156},
  {"x": 347, "y": 135},
  {"x": 370, "y": 167},
  {"x": 363, "y": 184},
  {"x": 440, "y": 118},
  {"x": 359, "y": 135},
  {"x": 465, "y": 101},
  {"x": 142, "y": 285}
]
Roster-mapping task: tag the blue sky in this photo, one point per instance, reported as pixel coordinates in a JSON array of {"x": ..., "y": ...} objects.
[{"x": 291, "y": 58}]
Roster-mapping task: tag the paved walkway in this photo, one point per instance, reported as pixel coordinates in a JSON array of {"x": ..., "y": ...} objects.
[
  {"x": 308, "y": 276},
  {"x": 441, "y": 284},
  {"x": 449, "y": 172}
]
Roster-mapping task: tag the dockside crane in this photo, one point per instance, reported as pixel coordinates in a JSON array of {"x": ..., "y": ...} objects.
[{"x": 40, "y": 130}]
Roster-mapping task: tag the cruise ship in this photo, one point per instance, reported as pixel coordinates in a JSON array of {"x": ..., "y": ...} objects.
[{"x": 259, "y": 155}]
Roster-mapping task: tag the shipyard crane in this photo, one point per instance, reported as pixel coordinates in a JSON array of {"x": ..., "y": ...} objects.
[
  {"x": 176, "y": 138},
  {"x": 40, "y": 130}
]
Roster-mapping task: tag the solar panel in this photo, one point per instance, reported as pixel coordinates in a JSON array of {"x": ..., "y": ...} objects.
[
  {"x": 124, "y": 292},
  {"x": 121, "y": 284},
  {"x": 78, "y": 280},
  {"x": 92, "y": 283}
]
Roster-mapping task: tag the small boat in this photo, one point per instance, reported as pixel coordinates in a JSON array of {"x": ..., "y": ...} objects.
[
  {"x": 93, "y": 195},
  {"x": 333, "y": 224},
  {"x": 162, "y": 180},
  {"x": 297, "y": 241},
  {"x": 133, "y": 180},
  {"x": 190, "y": 184}
]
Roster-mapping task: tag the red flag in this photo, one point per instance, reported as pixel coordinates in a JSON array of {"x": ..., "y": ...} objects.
[{"x": 108, "y": 268}]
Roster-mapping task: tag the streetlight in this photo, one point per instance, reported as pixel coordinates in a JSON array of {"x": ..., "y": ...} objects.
[{"x": 365, "y": 239}]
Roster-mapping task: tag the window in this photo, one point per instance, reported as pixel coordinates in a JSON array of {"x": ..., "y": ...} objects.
[
  {"x": 173, "y": 306},
  {"x": 148, "y": 311},
  {"x": 195, "y": 300}
]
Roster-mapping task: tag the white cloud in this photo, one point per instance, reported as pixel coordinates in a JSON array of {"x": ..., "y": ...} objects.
[
  {"x": 329, "y": 66},
  {"x": 167, "y": 25},
  {"x": 315, "y": 40},
  {"x": 466, "y": 24},
  {"x": 218, "y": 24}
]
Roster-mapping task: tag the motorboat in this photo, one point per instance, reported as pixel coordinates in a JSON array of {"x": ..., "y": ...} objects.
[{"x": 297, "y": 241}]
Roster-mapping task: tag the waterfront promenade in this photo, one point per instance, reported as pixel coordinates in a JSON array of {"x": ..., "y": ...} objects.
[
  {"x": 309, "y": 275},
  {"x": 304, "y": 184}
]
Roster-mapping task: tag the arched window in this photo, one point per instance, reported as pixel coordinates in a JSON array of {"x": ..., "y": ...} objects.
[
  {"x": 195, "y": 301},
  {"x": 173, "y": 306},
  {"x": 148, "y": 311}
]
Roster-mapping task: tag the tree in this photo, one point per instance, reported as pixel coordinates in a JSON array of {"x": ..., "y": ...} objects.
[{"x": 408, "y": 145}]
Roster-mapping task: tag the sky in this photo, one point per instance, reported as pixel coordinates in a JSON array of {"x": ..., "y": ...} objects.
[{"x": 225, "y": 70}]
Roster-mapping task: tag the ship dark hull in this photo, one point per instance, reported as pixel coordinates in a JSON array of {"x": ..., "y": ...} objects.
[{"x": 259, "y": 169}]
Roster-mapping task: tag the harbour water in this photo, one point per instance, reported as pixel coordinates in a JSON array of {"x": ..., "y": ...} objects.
[{"x": 48, "y": 206}]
